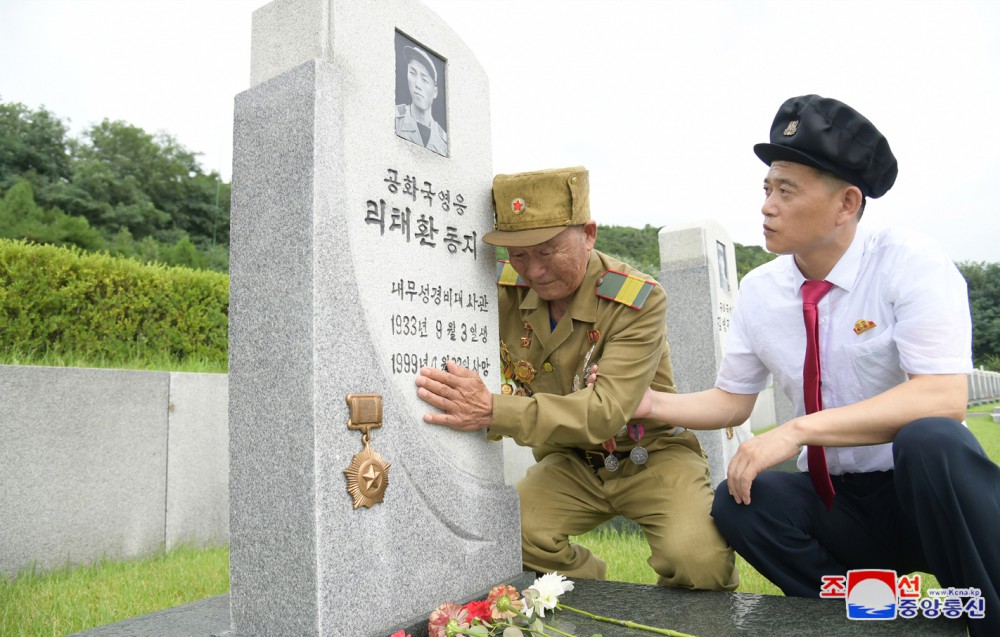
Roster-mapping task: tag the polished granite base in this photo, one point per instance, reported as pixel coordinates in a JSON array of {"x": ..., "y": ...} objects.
[{"x": 701, "y": 613}]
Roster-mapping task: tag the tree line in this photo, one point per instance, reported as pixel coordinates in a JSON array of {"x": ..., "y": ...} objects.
[
  {"x": 115, "y": 188},
  {"x": 640, "y": 248}
]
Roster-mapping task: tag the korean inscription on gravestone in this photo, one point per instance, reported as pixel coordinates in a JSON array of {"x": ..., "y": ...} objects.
[{"x": 421, "y": 333}]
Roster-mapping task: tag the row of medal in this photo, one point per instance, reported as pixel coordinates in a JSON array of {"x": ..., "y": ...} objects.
[
  {"x": 518, "y": 376},
  {"x": 638, "y": 455}
]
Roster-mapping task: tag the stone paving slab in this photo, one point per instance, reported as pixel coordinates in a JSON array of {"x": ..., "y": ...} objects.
[
  {"x": 701, "y": 613},
  {"x": 203, "y": 618}
]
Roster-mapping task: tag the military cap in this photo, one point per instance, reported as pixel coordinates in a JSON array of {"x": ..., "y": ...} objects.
[
  {"x": 533, "y": 207},
  {"x": 825, "y": 133},
  {"x": 414, "y": 54}
]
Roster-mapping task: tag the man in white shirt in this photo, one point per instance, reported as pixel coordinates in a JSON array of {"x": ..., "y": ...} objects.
[{"x": 912, "y": 489}]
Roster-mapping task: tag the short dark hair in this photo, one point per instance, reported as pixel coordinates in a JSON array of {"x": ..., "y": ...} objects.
[{"x": 836, "y": 183}]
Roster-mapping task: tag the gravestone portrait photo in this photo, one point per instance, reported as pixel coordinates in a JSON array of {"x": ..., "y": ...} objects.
[
  {"x": 421, "y": 98},
  {"x": 720, "y": 249}
]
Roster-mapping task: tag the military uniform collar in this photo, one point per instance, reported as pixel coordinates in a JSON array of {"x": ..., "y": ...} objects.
[{"x": 409, "y": 123}]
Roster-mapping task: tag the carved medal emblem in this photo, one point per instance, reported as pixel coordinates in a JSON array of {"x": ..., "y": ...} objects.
[
  {"x": 368, "y": 473},
  {"x": 792, "y": 128},
  {"x": 367, "y": 478},
  {"x": 518, "y": 206}
]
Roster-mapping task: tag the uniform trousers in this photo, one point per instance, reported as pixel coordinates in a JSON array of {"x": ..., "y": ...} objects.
[
  {"x": 669, "y": 497},
  {"x": 938, "y": 511}
]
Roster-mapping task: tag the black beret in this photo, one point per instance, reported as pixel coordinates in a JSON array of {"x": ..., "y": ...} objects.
[{"x": 825, "y": 133}]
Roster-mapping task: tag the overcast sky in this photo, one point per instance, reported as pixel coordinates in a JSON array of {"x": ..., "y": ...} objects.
[{"x": 661, "y": 100}]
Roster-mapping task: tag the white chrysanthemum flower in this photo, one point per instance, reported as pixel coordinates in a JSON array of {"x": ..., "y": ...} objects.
[{"x": 548, "y": 588}]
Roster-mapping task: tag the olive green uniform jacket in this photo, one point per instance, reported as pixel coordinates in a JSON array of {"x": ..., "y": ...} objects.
[{"x": 630, "y": 348}]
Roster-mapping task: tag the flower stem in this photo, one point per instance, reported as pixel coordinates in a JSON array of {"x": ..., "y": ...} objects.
[
  {"x": 546, "y": 627},
  {"x": 625, "y": 623}
]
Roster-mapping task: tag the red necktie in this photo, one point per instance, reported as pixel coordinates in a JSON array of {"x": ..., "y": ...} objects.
[{"x": 812, "y": 292}]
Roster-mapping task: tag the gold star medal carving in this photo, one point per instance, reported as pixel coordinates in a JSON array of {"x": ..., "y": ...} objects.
[{"x": 368, "y": 473}]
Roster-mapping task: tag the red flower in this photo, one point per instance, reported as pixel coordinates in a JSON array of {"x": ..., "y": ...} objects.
[
  {"x": 399, "y": 633},
  {"x": 479, "y": 610}
]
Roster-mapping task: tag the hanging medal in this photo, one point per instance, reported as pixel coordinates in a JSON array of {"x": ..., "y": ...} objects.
[
  {"x": 593, "y": 336},
  {"x": 524, "y": 373},
  {"x": 526, "y": 339},
  {"x": 638, "y": 455},
  {"x": 507, "y": 368},
  {"x": 516, "y": 376},
  {"x": 610, "y": 460}
]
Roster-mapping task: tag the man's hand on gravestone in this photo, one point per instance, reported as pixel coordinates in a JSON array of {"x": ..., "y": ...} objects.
[{"x": 459, "y": 393}]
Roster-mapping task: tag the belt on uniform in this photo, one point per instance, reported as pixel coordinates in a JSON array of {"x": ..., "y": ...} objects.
[{"x": 595, "y": 459}]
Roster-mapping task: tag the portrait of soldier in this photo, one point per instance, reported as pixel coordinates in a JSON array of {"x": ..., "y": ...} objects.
[{"x": 417, "y": 121}]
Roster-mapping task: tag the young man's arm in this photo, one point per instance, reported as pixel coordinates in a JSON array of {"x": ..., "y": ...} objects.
[
  {"x": 710, "y": 409},
  {"x": 868, "y": 422}
]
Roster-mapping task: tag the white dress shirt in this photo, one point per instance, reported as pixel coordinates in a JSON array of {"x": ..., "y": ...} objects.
[{"x": 901, "y": 282}]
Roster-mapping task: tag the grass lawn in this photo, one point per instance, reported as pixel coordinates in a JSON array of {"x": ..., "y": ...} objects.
[
  {"x": 144, "y": 362},
  {"x": 626, "y": 554},
  {"x": 75, "y": 599}
]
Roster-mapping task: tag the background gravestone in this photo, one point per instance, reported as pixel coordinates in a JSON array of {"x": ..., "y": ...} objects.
[
  {"x": 356, "y": 259},
  {"x": 698, "y": 272}
]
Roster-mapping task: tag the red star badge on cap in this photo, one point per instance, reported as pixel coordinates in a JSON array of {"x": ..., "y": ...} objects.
[{"x": 518, "y": 206}]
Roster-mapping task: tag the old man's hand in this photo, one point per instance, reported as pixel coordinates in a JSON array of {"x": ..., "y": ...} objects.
[{"x": 459, "y": 393}]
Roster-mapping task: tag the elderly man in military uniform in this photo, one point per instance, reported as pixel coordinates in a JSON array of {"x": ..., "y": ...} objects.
[
  {"x": 415, "y": 121},
  {"x": 563, "y": 307}
]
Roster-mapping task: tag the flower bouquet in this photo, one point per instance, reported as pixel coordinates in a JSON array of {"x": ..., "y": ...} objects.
[{"x": 505, "y": 613}]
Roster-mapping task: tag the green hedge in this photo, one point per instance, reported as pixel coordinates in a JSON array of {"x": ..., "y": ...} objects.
[{"x": 66, "y": 301}]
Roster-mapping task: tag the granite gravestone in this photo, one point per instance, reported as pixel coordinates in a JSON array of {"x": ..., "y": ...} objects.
[
  {"x": 698, "y": 272},
  {"x": 357, "y": 259}
]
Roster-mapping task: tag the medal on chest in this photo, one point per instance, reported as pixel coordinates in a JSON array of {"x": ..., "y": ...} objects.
[
  {"x": 526, "y": 339},
  {"x": 517, "y": 376},
  {"x": 579, "y": 379}
]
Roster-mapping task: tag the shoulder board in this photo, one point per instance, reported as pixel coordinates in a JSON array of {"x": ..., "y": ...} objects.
[
  {"x": 507, "y": 275},
  {"x": 624, "y": 288}
]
